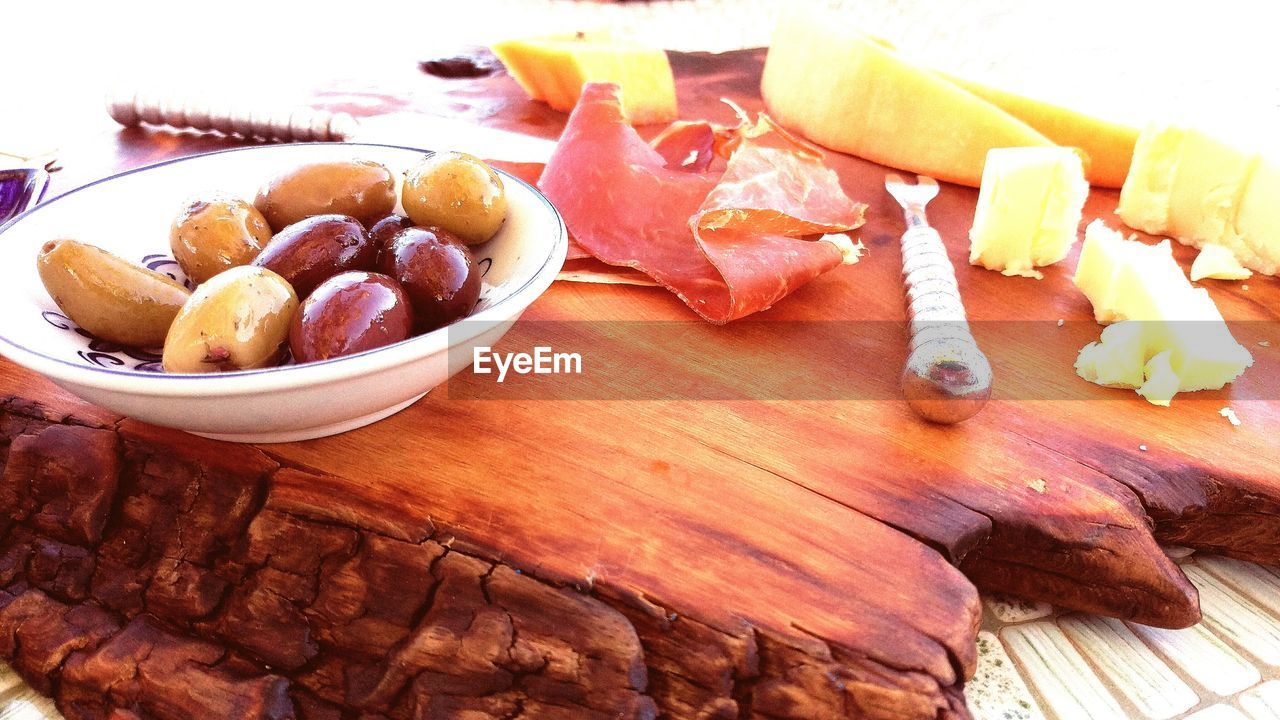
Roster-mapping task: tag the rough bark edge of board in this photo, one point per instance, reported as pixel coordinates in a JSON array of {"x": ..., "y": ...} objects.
[{"x": 137, "y": 581}]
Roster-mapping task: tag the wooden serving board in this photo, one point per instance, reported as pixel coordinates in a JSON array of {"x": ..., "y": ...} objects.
[{"x": 760, "y": 529}]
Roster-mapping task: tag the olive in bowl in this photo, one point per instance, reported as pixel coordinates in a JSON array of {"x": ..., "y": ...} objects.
[
  {"x": 437, "y": 271},
  {"x": 312, "y": 250},
  {"x": 382, "y": 231},
  {"x": 238, "y": 320},
  {"x": 458, "y": 193},
  {"x": 214, "y": 233},
  {"x": 110, "y": 297},
  {"x": 363, "y": 189},
  {"x": 350, "y": 313}
]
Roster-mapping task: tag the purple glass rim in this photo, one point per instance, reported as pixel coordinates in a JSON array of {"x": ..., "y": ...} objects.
[{"x": 20, "y": 190}]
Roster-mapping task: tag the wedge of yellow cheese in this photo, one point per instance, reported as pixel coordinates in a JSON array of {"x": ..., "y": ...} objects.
[
  {"x": 842, "y": 89},
  {"x": 1158, "y": 311},
  {"x": 1202, "y": 190},
  {"x": 1029, "y": 209},
  {"x": 554, "y": 69},
  {"x": 1109, "y": 145}
]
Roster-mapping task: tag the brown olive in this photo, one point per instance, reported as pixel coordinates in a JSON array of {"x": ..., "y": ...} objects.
[
  {"x": 310, "y": 251},
  {"x": 382, "y": 231},
  {"x": 237, "y": 320},
  {"x": 457, "y": 192},
  {"x": 350, "y": 313},
  {"x": 363, "y": 189},
  {"x": 214, "y": 233},
  {"x": 437, "y": 271},
  {"x": 109, "y": 297}
]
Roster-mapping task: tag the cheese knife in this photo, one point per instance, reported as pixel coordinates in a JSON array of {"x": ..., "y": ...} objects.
[{"x": 947, "y": 378}]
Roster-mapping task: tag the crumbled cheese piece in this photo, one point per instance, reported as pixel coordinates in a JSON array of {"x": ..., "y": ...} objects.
[
  {"x": 1158, "y": 310},
  {"x": 1117, "y": 359},
  {"x": 1161, "y": 382},
  {"x": 850, "y": 251},
  {"x": 1061, "y": 322},
  {"x": 1230, "y": 415},
  {"x": 1218, "y": 262},
  {"x": 1143, "y": 448}
]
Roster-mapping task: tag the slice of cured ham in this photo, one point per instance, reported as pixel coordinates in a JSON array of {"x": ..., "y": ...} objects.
[
  {"x": 689, "y": 146},
  {"x": 728, "y": 242}
]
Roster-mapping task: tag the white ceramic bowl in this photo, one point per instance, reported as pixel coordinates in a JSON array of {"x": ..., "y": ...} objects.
[{"x": 129, "y": 214}]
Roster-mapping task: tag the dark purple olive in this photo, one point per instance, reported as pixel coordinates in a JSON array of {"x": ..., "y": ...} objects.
[
  {"x": 437, "y": 271},
  {"x": 382, "y": 231},
  {"x": 310, "y": 251},
  {"x": 350, "y": 313}
]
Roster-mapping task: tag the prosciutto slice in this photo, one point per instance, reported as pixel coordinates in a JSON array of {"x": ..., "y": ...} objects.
[
  {"x": 729, "y": 242},
  {"x": 689, "y": 146}
]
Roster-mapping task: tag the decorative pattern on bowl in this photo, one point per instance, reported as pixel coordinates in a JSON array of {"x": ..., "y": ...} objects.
[{"x": 105, "y": 354}]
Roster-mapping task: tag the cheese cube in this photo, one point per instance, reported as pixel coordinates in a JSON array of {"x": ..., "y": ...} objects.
[
  {"x": 1029, "y": 209},
  {"x": 1123, "y": 279},
  {"x": 1159, "y": 314},
  {"x": 1202, "y": 190},
  {"x": 1217, "y": 262}
]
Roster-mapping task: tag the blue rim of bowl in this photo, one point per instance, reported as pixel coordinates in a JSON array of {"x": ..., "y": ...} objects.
[{"x": 561, "y": 239}]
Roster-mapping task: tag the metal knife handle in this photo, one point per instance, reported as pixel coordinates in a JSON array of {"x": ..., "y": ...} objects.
[
  {"x": 298, "y": 124},
  {"x": 947, "y": 378}
]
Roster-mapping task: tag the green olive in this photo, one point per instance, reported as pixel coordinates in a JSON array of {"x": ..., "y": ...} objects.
[
  {"x": 108, "y": 296},
  {"x": 238, "y": 320},
  {"x": 457, "y": 192},
  {"x": 217, "y": 232},
  {"x": 363, "y": 189}
]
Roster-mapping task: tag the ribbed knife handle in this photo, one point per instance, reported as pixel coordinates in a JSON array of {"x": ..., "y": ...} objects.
[
  {"x": 947, "y": 378},
  {"x": 299, "y": 124}
]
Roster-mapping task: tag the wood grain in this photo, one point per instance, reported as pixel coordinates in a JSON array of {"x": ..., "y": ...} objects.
[
  {"x": 736, "y": 556},
  {"x": 191, "y": 563}
]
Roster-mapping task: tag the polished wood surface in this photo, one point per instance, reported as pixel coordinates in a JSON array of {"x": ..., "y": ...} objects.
[{"x": 782, "y": 536}]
